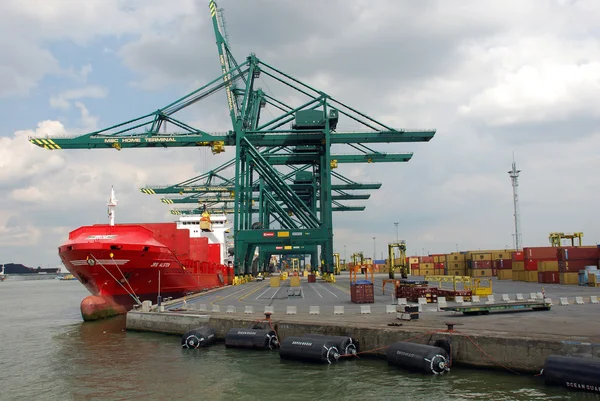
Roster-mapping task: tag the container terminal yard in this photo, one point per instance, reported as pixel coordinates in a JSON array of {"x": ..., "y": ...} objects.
[{"x": 275, "y": 280}]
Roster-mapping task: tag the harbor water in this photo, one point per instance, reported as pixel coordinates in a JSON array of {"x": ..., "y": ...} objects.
[{"x": 48, "y": 353}]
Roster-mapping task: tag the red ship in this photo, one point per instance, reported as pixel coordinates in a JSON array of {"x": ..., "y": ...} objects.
[{"x": 125, "y": 264}]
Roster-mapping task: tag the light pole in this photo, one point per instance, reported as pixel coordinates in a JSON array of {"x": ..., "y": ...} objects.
[
  {"x": 374, "y": 254},
  {"x": 396, "y": 224},
  {"x": 345, "y": 260}
]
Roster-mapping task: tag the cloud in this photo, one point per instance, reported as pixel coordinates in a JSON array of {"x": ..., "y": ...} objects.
[
  {"x": 492, "y": 78},
  {"x": 63, "y": 100}
]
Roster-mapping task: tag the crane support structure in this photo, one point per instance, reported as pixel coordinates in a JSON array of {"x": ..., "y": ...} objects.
[
  {"x": 294, "y": 209},
  {"x": 401, "y": 247}
]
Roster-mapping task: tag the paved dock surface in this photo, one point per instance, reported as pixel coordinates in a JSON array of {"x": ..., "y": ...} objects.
[{"x": 570, "y": 322}]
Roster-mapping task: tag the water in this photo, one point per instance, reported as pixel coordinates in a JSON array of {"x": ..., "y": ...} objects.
[{"x": 48, "y": 353}]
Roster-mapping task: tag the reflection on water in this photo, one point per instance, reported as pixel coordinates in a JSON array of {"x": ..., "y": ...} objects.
[{"x": 47, "y": 352}]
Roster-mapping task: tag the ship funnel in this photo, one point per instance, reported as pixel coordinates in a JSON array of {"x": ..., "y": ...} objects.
[{"x": 112, "y": 203}]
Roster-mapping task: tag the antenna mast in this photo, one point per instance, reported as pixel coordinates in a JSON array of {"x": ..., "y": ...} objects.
[
  {"x": 112, "y": 203},
  {"x": 514, "y": 177}
]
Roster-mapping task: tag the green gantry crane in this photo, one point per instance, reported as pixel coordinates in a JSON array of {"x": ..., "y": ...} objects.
[{"x": 300, "y": 134}]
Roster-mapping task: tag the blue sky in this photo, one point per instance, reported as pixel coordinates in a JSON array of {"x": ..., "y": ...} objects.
[{"x": 492, "y": 78}]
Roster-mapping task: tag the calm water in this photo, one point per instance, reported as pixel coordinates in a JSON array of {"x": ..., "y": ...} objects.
[{"x": 48, "y": 353}]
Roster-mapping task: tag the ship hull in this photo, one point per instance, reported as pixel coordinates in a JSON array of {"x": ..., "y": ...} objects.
[{"x": 128, "y": 264}]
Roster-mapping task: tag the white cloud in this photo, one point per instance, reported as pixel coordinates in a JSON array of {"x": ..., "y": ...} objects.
[
  {"x": 478, "y": 72},
  {"x": 63, "y": 100},
  {"x": 536, "y": 79}
]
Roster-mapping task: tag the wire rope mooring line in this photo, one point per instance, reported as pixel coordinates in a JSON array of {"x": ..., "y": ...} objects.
[
  {"x": 118, "y": 282},
  {"x": 124, "y": 278},
  {"x": 491, "y": 357}
]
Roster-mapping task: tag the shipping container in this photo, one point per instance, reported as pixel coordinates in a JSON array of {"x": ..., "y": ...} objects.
[
  {"x": 548, "y": 277},
  {"x": 426, "y": 259},
  {"x": 457, "y": 272},
  {"x": 413, "y": 260},
  {"x": 438, "y": 272},
  {"x": 531, "y": 276},
  {"x": 518, "y": 256},
  {"x": 502, "y": 255},
  {"x": 427, "y": 272},
  {"x": 455, "y": 257},
  {"x": 481, "y": 272},
  {"x": 573, "y": 266},
  {"x": 505, "y": 274},
  {"x": 540, "y": 252},
  {"x": 530, "y": 265},
  {"x": 518, "y": 266},
  {"x": 578, "y": 253},
  {"x": 502, "y": 264},
  {"x": 569, "y": 278},
  {"x": 426, "y": 265},
  {"x": 548, "y": 266},
  {"x": 481, "y": 264},
  {"x": 415, "y": 272},
  {"x": 480, "y": 256}
]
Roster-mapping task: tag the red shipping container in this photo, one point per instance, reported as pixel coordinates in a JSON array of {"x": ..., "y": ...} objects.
[
  {"x": 548, "y": 277},
  {"x": 426, "y": 259},
  {"x": 518, "y": 256},
  {"x": 414, "y": 266},
  {"x": 501, "y": 264},
  {"x": 542, "y": 252},
  {"x": 531, "y": 265},
  {"x": 573, "y": 266},
  {"x": 438, "y": 265},
  {"x": 481, "y": 264},
  {"x": 580, "y": 253}
]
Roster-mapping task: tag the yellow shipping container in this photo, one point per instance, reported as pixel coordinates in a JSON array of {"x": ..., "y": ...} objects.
[
  {"x": 481, "y": 273},
  {"x": 413, "y": 260},
  {"x": 550, "y": 266},
  {"x": 455, "y": 257},
  {"x": 569, "y": 278},
  {"x": 457, "y": 272},
  {"x": 518, "y": 275},
  {"x": 480, "y": 256},
  {"x": 416, "y": 272},
  {"x": 501, "y": 255},
  {"x": 275, "y": 281},
  {"x": 531, "y": 276},
  {"x": 505, "y": 274},
  {"x": 427, "y": 272},
  {"x": 518, "y": 266},
  {"x": 425, "y": 266},
  {"x": 456, "y": 265}
]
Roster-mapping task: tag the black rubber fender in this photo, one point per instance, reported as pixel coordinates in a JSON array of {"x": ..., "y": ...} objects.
[{"x": 446, "y": 345}]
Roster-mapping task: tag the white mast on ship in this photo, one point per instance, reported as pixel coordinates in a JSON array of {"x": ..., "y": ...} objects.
[{"x": 112, "y": 203}]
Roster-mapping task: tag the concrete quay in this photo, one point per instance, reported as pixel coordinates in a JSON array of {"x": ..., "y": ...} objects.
[{"x": 518, "y": 341}]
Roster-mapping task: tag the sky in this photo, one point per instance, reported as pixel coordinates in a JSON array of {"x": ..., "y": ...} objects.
[{"x": 494, "y": 78}]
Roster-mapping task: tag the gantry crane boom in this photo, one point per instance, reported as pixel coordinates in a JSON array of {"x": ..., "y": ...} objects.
[{"x": 298, "y": 135}]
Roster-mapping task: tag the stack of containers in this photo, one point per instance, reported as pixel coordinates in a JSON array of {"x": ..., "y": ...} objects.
[
  {"x": 548, "y": 270},
  {"x": 571, "y": 260},
  {"x": 532, "y": 257},
  {"x": 426, "y": 266},
  {"x": 456, "y": 264},
  {"x": 502, "y": 264},
  {"x": 480, "y": 264},
  {"x": 413, "y": 262},
  {"x": 439, "y": 264},
  {"x": 518, "y": 266}
]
